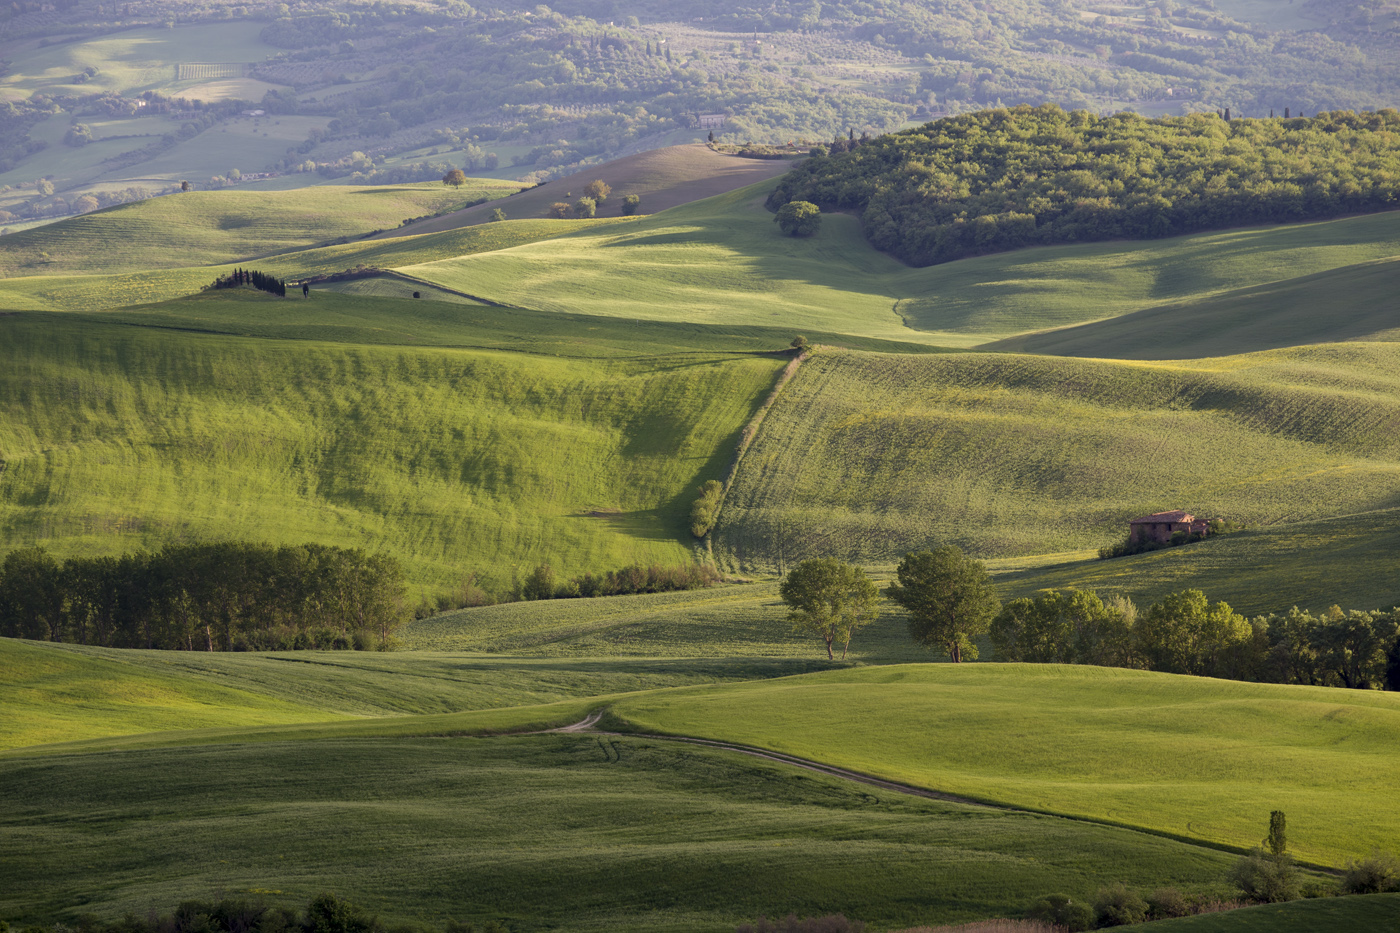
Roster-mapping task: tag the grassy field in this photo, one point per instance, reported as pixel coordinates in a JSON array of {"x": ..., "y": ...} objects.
[
  {"x": 1360, "y": 303},
  {"x": 55, "y": 695},
  {"x": 866, "y": 456},
  {"x": 214, "y": 227},
  {"x": 723, "y": 260},
  {"x": 96, "y": 292},
  {"x": 747, "y": 621},
  {"x": 366, "y": 319},
  {"x": 1347, "y": 561},
  {"x": 547, "y": 832},
  {"x": 66, "y": 693},
  {"x": 117, "y": 437},
  {"x": 1199, "y": 759}
]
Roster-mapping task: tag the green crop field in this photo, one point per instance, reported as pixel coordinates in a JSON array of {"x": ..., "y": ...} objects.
[
  {"x": 1360, "y": 303},
  {"x": 66, "y": 693},
  {"x": 1348, "y": 561},
  {"x": 1196, "y": 758},
  {"x": 723, "y": 260},
  {"x": 866, "y": 456},
  {"x": 723, "y": 622},
  {"x": 117, "y": 437},
  {"x": 54, "y": 695},
  {"x": 213, "y": 227},
  {"x": 547, "y": 832}
]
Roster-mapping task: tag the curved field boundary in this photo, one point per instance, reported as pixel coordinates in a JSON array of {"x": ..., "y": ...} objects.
[{"x": 589, "y": 723}]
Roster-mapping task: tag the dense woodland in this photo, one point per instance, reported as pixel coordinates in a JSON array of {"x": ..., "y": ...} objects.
[
  {"x": 1004, "y": 179},
  {"x": 205, "y": 597}
]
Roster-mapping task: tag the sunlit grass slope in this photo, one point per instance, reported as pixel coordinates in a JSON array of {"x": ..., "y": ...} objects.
[
  {"x": 369, "y": 319},
  {"x": 52, "y": 695},
  {"x": 720, "y": 261},
  {"x": 564, "y": 832},
  {"x": 1197, "y": 758},
  {"x": 117, "y": 437},
  {"x": 210, "y": 227},
  {"x": 723, "y": 259},
  {"x": 1347, "y": 561},
  {"x": 866, "y": 456},
  {"x": 1351, "y": 303},
  {"x": 748, "y": 621},
  {"x": 63, "y": 693},
  {"x": 96, "y": 292}
]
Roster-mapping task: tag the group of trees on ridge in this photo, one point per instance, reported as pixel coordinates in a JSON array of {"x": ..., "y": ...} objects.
[
  {"x": 1003, "y": 179},
  {"x": 206, "y": 597},
  {"x": 951, "y": 601}
]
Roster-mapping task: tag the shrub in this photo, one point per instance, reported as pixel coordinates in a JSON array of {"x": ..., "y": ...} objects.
[
  {"x": 1165, "y": 903},
  {"x": 1116, "y": 906},
  {"x": 705, "y": 511},
  {"x": 1264, "y": 877},
  {"x": 1377, "y": 874},
  {"x": 560, "y": 209},
  {"x": 585, "y": 207},
  {"x": 630, "y": 204},
  {"x": 498, "y": 214},
  {"x": 1062, "y": 910}
]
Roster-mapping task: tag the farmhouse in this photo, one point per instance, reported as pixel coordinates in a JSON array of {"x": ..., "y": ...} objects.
[
  {"x": 1160, "y": 526},
  {"x": 712, "y": 121}
]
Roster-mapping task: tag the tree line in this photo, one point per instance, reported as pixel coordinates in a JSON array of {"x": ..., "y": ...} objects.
[
  {"x": 260, "y": 280},
  {"x": 1009, "y": 178},
  {"x": 951, "y": 602},
  {"x": 225, "y": 596},
  {"x": 325, "y": 913}
]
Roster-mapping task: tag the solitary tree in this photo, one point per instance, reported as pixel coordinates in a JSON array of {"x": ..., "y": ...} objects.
[
  {"x": 585, "y": 207},
  {"x": 456, "y": 178},
  {"x": 560, "y": 209},
  {"x": 630, "y": 204},
  {"x": 799, "y": 218},
  {"x": 831, "y": 599},
  {"x": 949, "y": 598},
  {"x": 598, "y": 190},
  {"x": 184, "y": 186},
  {"x": 498, "y": 214}
]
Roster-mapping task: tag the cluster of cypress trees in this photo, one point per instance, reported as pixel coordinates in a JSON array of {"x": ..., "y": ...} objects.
[
  {"x": 253, "y": 277},
  {"x": 219, "y": 596}
]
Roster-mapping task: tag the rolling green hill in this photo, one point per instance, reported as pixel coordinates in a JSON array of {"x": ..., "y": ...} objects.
[
  {"x": 556, "y": 832},
  {"x": 1351, "y": 303},
  {"x": 55, "y": 695},
  {"x": 1347, "y": 561},
  {"x": 212, "y": 227},
  {"x": 116, "y": 437},
  {"x": 69, "y": 693},
  {"x": 866, "y": 456},
  {"x": 723, "y": 260},
  {"x": 1196, "y": 758}
]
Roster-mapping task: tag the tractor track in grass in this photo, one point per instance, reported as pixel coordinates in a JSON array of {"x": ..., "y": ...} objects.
[{"x": 588, "y": 726}]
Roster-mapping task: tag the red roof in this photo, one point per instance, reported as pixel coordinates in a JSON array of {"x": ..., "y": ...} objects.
[{"x": 1161, "y": 518}]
